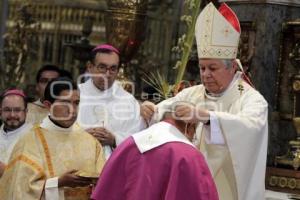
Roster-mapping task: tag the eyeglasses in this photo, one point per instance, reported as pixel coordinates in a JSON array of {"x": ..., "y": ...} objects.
[
  {"x": 101, "y": 68},
  {"x": 15, "y": 110}
]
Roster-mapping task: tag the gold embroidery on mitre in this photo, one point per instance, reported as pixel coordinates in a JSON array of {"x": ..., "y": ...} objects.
[{"x": 215, "y": 38}]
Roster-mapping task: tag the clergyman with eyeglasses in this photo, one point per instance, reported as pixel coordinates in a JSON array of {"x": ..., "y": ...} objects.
[
  {"x": 13, "y": 112},
  {"x": 106, "y": 110}
]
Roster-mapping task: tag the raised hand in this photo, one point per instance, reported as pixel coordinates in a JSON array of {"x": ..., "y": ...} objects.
[
  {"x": 147, "y": 110},
  {"x": 191, "y": 114}
]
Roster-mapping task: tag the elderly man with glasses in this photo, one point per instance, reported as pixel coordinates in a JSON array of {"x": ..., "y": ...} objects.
[{"x": 106, "y": 110}]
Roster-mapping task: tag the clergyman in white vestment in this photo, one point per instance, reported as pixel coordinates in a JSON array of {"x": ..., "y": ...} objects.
[
  {"x": 106, "y": 110},
  {"x": 232, "y": 116}
]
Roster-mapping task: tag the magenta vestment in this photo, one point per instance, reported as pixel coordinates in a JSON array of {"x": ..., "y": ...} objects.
[{"x": 172, "y": 171}]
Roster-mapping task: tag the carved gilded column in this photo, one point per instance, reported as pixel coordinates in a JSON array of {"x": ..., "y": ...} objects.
[{"x": 125, "y": 25}]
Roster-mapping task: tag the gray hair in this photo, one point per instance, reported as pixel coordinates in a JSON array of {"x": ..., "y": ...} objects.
[
  {"x": 169, "y": 107},
  {"x": 227, "y": 63}
]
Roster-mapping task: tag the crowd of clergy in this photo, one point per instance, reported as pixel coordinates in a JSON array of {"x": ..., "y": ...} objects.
[{"x": 95, "y": 140}]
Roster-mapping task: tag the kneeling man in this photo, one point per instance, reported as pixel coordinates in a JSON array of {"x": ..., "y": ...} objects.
[{"x": 157, "y": 163}]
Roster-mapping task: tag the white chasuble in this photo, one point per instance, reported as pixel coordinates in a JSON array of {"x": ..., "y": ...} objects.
[{"x": 238, "y": 165}]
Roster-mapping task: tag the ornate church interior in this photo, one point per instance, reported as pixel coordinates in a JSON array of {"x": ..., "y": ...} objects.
[{"x": 159, "y": 58}]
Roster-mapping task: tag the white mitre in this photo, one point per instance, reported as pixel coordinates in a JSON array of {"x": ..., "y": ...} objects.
[{"x": 217, "y": 33}]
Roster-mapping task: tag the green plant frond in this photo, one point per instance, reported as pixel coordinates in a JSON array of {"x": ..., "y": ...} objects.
[
  {"x": 175, "y": 49},
  {"x": 180, "y": 41},
  {"x": 192, "y": 9},
  {"x": 186, "y": 2},
  {"x": 187, "y": 19},
  {"x": 159, "y": 82},
  {"x": 192, "y": 5},
  {"x": 187, "y": 45},
  {"x": 16, "y": 48},
  {"x": 183, "y": 18},
  {"x": 177, "y": 65}
]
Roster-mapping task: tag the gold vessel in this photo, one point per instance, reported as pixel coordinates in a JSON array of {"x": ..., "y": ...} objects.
[
  {"x": 125, "y": 24},
  {"x": 292, "y": 157}
]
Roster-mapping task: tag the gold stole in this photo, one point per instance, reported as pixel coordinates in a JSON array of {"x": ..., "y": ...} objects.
[{"x": 43, "y": 141}]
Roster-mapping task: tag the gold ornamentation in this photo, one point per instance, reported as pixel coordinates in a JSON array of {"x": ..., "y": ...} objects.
[
  {"x": 296, "y": 85},
  {"x": 273, "y": 181},
  {"x": 241, "y": 87},
  {"x": 292, "y": 157},
  {"x": 135, "y": 6},
  {"x": 298, "y": 183},
  {"x": 40, "y": 135},
  {"x": 28, "y": 161},
  {"x": 211, "y": 28},
  {"x": 295, "y": 54},
  {"x": 288, "y": 67},
  {"x": 125, "y": 25},
  {"x": 284, "y": 182},
  {"x": 292, "y": 183}
]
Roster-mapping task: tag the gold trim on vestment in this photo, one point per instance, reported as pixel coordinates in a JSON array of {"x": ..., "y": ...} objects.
[
  {"x": 40, "y": 135},
  {"x": 28, "y": 161}
]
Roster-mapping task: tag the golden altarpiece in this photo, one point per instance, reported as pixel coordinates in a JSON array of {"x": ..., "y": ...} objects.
[
  {"x": 62, "y": 23},
  {"x": 285, "y": 175}
]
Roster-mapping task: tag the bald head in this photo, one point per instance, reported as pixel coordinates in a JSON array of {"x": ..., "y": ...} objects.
[{"x": 187, "y": 129}]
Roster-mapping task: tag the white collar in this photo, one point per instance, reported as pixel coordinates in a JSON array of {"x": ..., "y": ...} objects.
[
  {"x": 9, "y": 133},
  {"x": 49, "y": 125},
  {"x": 213, "y": 96},
  {"x": 157, "y": 135}
]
